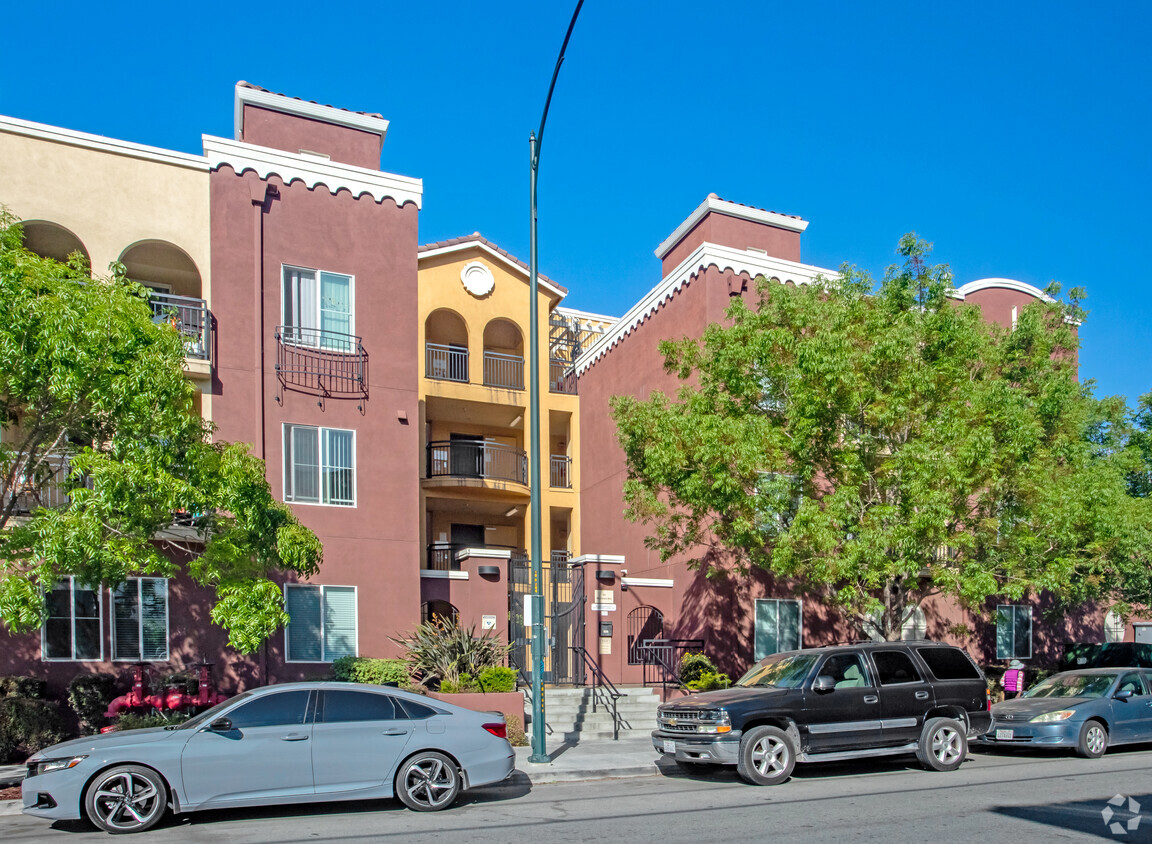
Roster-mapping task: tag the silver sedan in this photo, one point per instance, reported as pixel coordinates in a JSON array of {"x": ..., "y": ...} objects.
[{"x": 292, "y": 743}]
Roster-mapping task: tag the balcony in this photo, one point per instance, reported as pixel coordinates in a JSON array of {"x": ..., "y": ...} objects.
[
  {"x": 189, "y": 317},
  {"x": 477, "y": 459},
  {"x": 502, "y": 370},
  {"x": 442, "y": 555},
  {"x": 46, "y": 486},
  {"x": 560, "y": 474},
  {"x": 561, "y": 378},
  {"x": 321, "y": 363},
  {"x": 446, "y": 362}
]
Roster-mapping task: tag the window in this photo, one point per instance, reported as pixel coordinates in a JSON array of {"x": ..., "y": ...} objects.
[
  {"x": 777, "y": 500},
  {"x": 778, "y": 627},
  {"x": 140, "y": 619},
  {"x": 846, "y": 670},
  {"x": 276, "y": 710},
  {"x": 319, "y": 465},
  {"x": 317, "y": 309},
  {"x": 1114, "y": 626},
  {"x": 338, "y": 707},
  {"x": 949, "y": 663},
  {"x": 1013, "y": 632},
  {"x": 73, "y": 628},
  {"x": 894, "y": 667},
  {"x": 323, "y": 622},
  {"x": 915, "y": 625}
]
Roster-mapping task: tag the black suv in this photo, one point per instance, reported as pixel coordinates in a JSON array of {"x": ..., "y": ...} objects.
[{"x": 833, "y": 703}]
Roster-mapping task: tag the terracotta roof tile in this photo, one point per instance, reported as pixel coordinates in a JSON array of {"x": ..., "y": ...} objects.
[
  {"x": 244, "y": 84},
  {"x": 476, "y": 237}
]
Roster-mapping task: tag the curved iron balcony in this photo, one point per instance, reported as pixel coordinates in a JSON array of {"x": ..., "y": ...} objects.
[
  {"x": 476, "y": 459},
  {"x": 189, "y": 317},
  {"x": 322, "y": 363}
]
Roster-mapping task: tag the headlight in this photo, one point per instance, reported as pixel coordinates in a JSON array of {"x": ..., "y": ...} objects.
[
  {"x": 1048, "y": 717},
  {"x": 720, "y": 723},
  {"x": 45, "y": 766}
]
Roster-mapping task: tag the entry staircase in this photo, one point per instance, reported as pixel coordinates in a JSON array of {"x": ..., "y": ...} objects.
[{"x": 569, "y": 714}]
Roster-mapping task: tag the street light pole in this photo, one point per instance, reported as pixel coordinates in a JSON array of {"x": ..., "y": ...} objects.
[{"x": 535, "y": 139}]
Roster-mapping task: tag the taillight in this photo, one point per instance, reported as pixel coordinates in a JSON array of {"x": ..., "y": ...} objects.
[
  {"x": 499, "y": 730},
  {"x": 988, "y": 699}
]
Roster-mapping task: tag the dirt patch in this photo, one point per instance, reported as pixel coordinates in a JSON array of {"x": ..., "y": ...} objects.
[{"x": 10, "y": 793}]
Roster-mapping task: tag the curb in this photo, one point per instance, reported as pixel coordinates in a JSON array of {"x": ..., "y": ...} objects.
[{"x": 543, "y": 774}]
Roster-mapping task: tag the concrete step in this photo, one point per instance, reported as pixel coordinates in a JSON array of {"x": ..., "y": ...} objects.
[{"x": 569, "y": 714}]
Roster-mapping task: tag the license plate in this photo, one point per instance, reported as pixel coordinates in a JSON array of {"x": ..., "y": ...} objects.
[
  {"x": 1003, "y": 735},
  {"x": 669, "y": 747}
]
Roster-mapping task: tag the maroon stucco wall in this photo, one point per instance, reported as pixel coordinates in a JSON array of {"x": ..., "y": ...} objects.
[
  {"x": 292, "y": 133},
  {"x": 736, "y": 233}
]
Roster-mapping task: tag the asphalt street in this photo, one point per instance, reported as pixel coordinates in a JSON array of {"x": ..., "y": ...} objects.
[{"x": 993, "y": 797}]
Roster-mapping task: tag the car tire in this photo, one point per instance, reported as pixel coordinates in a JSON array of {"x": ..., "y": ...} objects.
[
  {"x": 127, "y": 798},
  {"x": 1093, "y": 741},
  {"x": 428, "y": 782},
  {"x": 767, "y": 756},
  {"x": 943, "y": 744}
]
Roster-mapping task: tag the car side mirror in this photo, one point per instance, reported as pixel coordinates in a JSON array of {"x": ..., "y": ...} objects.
[
  {"x": 1123, "y": 694},
  {"x": 221, "y": 725},
  {"x": 823, "y": 683}
]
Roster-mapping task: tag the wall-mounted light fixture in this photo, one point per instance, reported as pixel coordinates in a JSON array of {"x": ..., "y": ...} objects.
[{"x": 512, "y": 512}]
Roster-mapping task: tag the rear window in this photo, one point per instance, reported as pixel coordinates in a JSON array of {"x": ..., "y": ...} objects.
[{"x": 949, "y": 664}]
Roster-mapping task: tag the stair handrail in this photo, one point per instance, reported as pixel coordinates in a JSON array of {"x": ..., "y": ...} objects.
[
  {"x": 602, "y": 685},
  {"x": 654, "y": 651}
]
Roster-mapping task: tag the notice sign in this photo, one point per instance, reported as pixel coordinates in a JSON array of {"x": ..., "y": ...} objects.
[
  {"x": 488, "y": 622},
  {"x": 604, "y": 596},
  {"x": 605, "y": 644},
  {"x": 603, "y": 608}
]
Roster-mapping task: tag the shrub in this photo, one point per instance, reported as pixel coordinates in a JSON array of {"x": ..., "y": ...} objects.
[
  {"x": 134, "y": 721},
  {"x": 516, "y": 735},
  {"x": 28, "y": 725},
  {"x": 89, "y": 696},
  {"x": 441, "y": 650},
  {"x": 28, "y": 687},
  {"x": 692, "y": 666},
  {"x": 497, "y": 678},
  {"x": 362, "y": 669},
  {"x": 709, "y": 680}
]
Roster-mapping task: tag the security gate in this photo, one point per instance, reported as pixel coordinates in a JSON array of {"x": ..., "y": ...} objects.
[{"x": 564, "y": 598}]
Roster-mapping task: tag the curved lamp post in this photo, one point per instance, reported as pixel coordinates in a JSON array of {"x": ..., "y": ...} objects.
[{"x": 539, "y": 754}]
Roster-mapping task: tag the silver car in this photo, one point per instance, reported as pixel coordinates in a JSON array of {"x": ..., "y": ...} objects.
[
  {"x": 292, "y": 743},
  {"x": 1088, "y": 710}
]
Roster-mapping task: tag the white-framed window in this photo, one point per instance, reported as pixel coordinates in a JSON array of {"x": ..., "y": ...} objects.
[
  {"x": 323, "y": 622},
  {"x": 73, "y": 624},
  {"x": 319, "y": 465},
  {"x": 915, "y": 625},
  {"x": 1114, "y": 626},
  {"x": 1013, "y": 632},
  {"x": 140, "y": 620},
  {"x": 779, "y": 626},
  {"x": 317, "y": 308}
]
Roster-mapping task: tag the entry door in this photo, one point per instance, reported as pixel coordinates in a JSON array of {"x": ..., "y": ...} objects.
[
  {"x": 467, "y": 536},
  {"x": 467, "y": 455}
]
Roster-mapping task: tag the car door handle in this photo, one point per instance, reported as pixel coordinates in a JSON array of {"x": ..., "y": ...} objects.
[
  {"x": 871, "y": 699},
  {"x": 921, "y": 695},
  {"x": 294, "y": 737},
  {"x": 394, "y": 732}
]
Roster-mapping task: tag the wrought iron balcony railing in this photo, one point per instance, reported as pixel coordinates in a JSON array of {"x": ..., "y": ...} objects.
[
  {"x": 442, "y": 555},
  {"x": 322, "y": 363},
  {"x": 560, "y": 476},
  {"x": 561, "y": 377},
  {"x": 502, "y": 370},
  {"x": 445, "y": 363},
  {"x": 188, "y": 316},
  {"x": 44, "y": 485},
  {"x": 477, "y": 459}
]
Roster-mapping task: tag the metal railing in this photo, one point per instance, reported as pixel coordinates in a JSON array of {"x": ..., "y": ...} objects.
[
  {"x": 501, "y": 370},
  {"x": 560, "y": 474},
  {"x": 602, "y": 688},
  {"x": 477, "y": 459},
  {"x": 43, "y": 485},
  {"x": 445, "y": 363},
  {"x": 561, "y": 377},
  {"x": 559, "y": 556},
  {"x": 661, "y": 660},
  {"x": 442, "y": 555},
  {"x": 323, "y": 363},
  {"x": 189, "y": 317}
]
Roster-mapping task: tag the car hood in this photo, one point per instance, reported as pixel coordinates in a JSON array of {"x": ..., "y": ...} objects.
[
  {"x": 107, "y": 741},
  {"x": 1020, "y": 709},
  {"x": 724, "y": 697}
]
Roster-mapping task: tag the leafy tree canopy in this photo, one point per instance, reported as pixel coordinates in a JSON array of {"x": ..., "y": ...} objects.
[
  {"x": 881, "y": 443},
  {"x": 103, "y": 450}
]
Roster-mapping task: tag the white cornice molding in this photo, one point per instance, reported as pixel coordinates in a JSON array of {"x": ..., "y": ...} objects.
[
  {"x": 436, "y": 574},
  {"x": 739, "y": 261},
  {"x": 728, "y": 209},
  {"x": 597, "y": 558},
  {"x": 504, "y": 261},
  {"x": 586, "y": 315},
  {"x": 483, "y": 554},
  {"x": 1006, "y": 283},
  {"x": 291, "y": 167},
  {"x": 99, "y": 143},
  {"x": 314, "y": 111},
  {"x": 663, "y": 583}
]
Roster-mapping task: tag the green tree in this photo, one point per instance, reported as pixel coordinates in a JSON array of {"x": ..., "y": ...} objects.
[
  {"x": 102, "y": 445},
  {"x": 883, "y": 443}
]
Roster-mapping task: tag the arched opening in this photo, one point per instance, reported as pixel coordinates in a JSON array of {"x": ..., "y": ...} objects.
[
  {"x": 445, "y": 346},
  {"x": 439, "y": 611},
  {"x": 51, "y": 240},
  {"x": 503, "y": 355},
  {"x": 176, "y": 290},
  {"x": 644, "y": 624},
  {"x": 1114, "y": 626},
  {"x": 915, "y": 625}
]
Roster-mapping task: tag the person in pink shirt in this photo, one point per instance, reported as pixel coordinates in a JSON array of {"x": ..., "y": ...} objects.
[{"x": 1013, "y": 679}]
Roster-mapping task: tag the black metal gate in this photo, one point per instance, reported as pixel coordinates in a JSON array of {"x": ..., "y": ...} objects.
[
  {"x": 644, "y": 623},
  {"x": 564, "y": 599}
]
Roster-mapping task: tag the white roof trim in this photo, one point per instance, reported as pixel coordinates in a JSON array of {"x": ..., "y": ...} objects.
[
  {"x": 729, "y": 209},
  {"x": 436, "y": 574},
  {"x": 596, "y": 558},
  {"x": 705, "y": 255},
  {"x": 315, "y": 111},
  {"x": 573, "y": 312},
  {"x": 495, "y": 255},
  {"x": 1006, "y": 283},
  {"x": 312, "y": 171},
  {"x": 99, "y": 143},
  {"x": 647, "y": 581},
  {"x": 483, "y": 553}
]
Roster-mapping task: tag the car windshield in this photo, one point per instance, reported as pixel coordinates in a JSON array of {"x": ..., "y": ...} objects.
[
  {"x": 783, "y": 672},
  {"x": 1072, "y": 685},
  {"x": 208, "y": 714}
]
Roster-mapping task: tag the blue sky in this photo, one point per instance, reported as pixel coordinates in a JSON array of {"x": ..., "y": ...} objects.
[{"x": 1013, "y": 136}]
